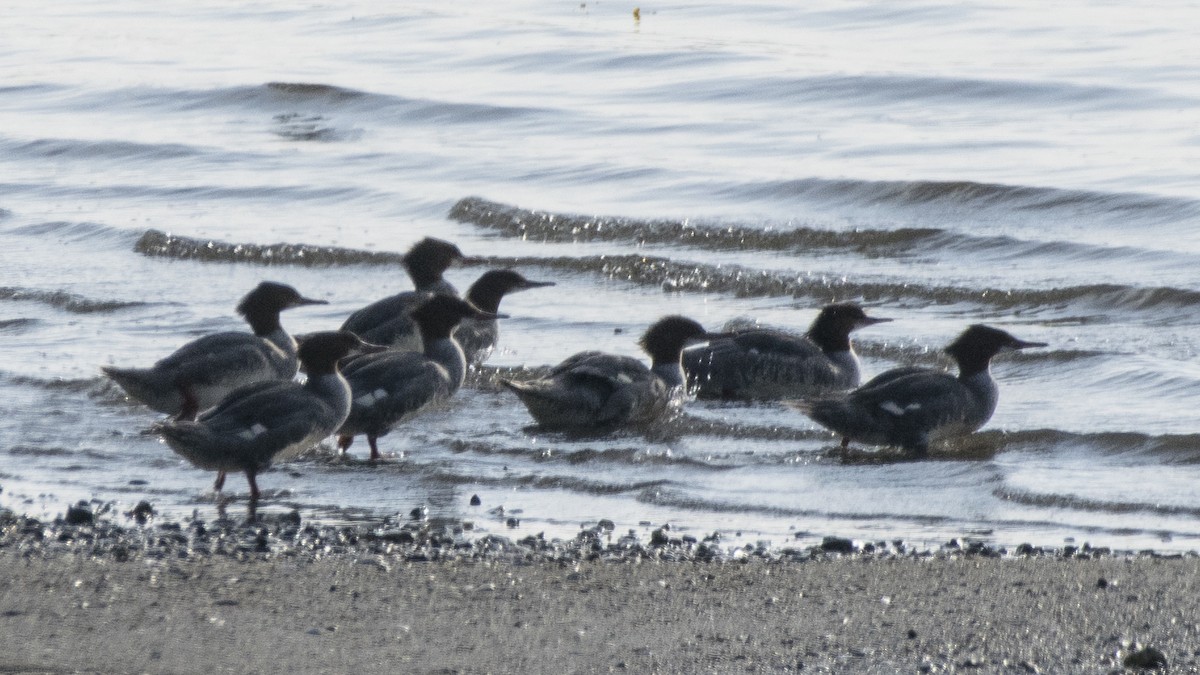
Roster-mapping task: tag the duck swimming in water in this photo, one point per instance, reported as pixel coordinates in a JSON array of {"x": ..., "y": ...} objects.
[
  {"x": 764, "y": 363},
  {"x": 476, "y": 336},
  {"x": 202, "y": 372},
  {"x": 912, "y": 407},
  {"x": 595, "y": 389}
]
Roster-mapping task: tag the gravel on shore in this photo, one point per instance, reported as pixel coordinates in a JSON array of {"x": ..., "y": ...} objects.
[{"x": 84, "y": 593}]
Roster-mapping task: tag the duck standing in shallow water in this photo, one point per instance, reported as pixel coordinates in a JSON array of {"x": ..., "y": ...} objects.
[
  {"x": 202, "y": 372},
  {"x": 387, "y": 321},
  {"x": 594, "y": 389},
  {"x": 768, "y": 364},
  {"x": 391, "y": 387},
  {"x": 476, "y": 336},
  {"x": 271, "y": 420},
  {"x": 912, "y": 407}
]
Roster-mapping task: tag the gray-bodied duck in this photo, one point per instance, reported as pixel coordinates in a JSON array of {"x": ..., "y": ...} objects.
[
  {"x": 263, "y": 422},
  {"x": 765, "y": 363},
  {"x": 911, "y": 407},
  {"x": 387, "y": 321},
  {"x": 391, "y": 387},
  {"x": 202, "y": 372},
  {"x": 595, "y": 389}
]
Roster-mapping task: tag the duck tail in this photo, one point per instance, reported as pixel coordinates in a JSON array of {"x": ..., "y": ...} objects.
[
  {"x": 138, "y": 383},
  {"x": 828, "y": 412}
]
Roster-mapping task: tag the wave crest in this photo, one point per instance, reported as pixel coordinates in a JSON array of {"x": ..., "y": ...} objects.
[
  {"x": 542, "y": 226},
  {"x": 68, "y": 302},
  {"x": 155, "y": 243}
]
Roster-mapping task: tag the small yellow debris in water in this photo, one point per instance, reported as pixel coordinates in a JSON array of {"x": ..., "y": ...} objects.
[{"x": 637, "y": 13}]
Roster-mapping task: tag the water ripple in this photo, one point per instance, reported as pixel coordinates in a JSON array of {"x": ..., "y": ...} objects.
[
  {"x": 69, "y": 302},
  {"x": 677, "y": 276}
]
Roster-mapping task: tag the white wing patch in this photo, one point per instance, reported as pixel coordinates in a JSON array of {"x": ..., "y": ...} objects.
[
  {"x": 253, "y": 432},
  {"x": 624, "y": 378},
  {"x": 893, "y": 408},
  {"x": 368, "y": 400}
]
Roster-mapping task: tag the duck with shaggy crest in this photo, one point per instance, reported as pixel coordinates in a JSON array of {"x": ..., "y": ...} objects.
[
  {"x": 766, "y": 363},
  {"x": 478, "y": 336},
  {"x": 912, "y": 407},
  {"x": 392, "y": 387},
  {"x": 202, "y": 372},
  {"x": 595, "y": 389},
  {"x": 387, "y": 321}
]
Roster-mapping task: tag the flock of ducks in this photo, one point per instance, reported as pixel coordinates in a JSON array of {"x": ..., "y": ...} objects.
[{"x": 235, "y": 404}]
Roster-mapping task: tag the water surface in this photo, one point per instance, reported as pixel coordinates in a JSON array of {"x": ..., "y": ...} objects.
[{"x": 942, "y": 163}]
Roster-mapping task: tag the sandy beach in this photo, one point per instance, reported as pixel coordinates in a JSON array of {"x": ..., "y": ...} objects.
[{"x": 282, "y": 597}]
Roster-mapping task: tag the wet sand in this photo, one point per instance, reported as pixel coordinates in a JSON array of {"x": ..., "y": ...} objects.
[{"x": 281, "y": 597}]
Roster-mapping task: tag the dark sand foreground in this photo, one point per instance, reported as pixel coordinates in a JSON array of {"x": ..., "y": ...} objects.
[{"x": 281, "y": 598}]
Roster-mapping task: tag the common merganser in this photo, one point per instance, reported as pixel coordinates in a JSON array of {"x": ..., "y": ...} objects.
[
  {"x": 594, "y": 389},
  {"x": 202, "y": 372},
  {"x": 386, "y": 321},
  {"x": 477, "y": 337},
  {"x": 391, "y": 387},
  {"x": 271, "y": 420},
  {"x": 766, "y": 363},
  {"x": 912, "y": 407}
]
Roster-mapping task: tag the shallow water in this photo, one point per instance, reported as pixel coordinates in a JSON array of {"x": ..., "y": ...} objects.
[{"x": 943, "y": 164}]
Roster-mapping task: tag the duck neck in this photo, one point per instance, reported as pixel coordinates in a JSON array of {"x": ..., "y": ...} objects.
[
  {"x": 828, "y": 337},
  {"x": 446, "y": 352},
  {"x": 670, "y": 372},
  {"x": 426, "y": 277},
  {"x": 286, "y": 359},
  {"x": 329, "y": 385},
  {"x": 485, "y": 297},
  {"x": 983, "y": 387},
  {"x": 264, "y": 323},
  {"x": 847, "y": 363},
  {"x": 970, "y": 365}
]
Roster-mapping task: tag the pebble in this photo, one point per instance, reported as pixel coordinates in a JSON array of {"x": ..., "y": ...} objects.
[
  {"x": 1146, "y": 658},
  {"x": 141, "y": 513},
  {"x": 398, "y": 538},
  {"x": 658, "y": 538},
  {"x": 837, "y": 545},
  {"x": 80, "y": 514}
]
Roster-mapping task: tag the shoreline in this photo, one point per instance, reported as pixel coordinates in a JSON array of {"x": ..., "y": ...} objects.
[{"x": 275, "y": 595}]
